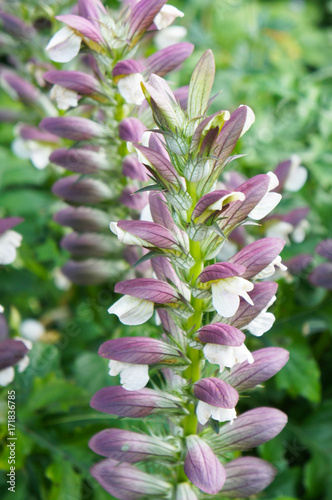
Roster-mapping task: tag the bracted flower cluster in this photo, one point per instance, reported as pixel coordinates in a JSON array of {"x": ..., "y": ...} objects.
[
  {"x": 204, "y": 305},
  {"x": 102, "y": 90},
  {"x": 97, "y": 151}
]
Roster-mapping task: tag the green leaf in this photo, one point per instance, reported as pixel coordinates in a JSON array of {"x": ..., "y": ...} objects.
[
  {"x": 301, "y": 375},
  {"x": 200, "y": 85},
  {"x": 66, "y": 483}
]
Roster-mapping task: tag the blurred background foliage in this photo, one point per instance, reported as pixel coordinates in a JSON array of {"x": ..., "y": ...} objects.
[{"x": 275, "y": 57}]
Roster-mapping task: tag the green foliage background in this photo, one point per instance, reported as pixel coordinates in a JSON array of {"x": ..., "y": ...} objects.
[{"x": 276, "y": 57}]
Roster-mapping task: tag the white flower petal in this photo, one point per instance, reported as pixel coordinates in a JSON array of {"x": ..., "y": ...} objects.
[
  {"x": 22, "y": 365},
  {"x": 261, "y": 324},
  {"x": 274, "y": 181},
  {"x": 39, "y": 156},
  {"x": 6, "y": 376},
  {"x": 63, "y": 97},
  {"x": 234, "y": 196},
  {"x": 132, "y": 376},
  {"x": 228, "y": 356},
  {"x": 32, "y": 329},
  {"x": 20, "y": 149},
  {"x": 146, "y": 214},
  {"x": 128, "y": 238},
  {"x": 131, "y": 310},
  {"x": 299, "y": 233},
  {"x": 249, "y": 119},
  {"x": 204, "y": 411},
  {"x": 130, "y": 88},
  {"x": 265, "y": 206},
  {"x": 64, "y": 45},
  {"x": 240, "y": 286},
  {"x": 270, "y": 269},
  {"x": 225, "y": 303},
  {"x": 280, "y": 229},
  {"x": 9, "y": 241},
  {"x": 223, "y": 414},
  {"x": 169, "y": 36},
  {"x": 297, "y": 175},
  {"x": 166, "y": 15}
]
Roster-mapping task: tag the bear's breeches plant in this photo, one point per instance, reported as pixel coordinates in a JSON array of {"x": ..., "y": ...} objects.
[{"x": 198, "y": 368}]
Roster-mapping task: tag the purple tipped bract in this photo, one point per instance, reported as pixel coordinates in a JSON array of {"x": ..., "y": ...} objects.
[
  {"x": 11, "y": 352},
  {"x": 74, "y": 128},
  {"x": 267, "y": 362},
  {"x": 202, "y": 467},
  {"x": 116, "y": 400},
  {"x": 151, "y": 289},
  {"x": 220, "y": 271},
  {"x": 222, "y": 334},
  {"x": 78, "y": 190},
  {"x": 246, "y": 476},
  {"x": 258, "y": 255},
  {"x": 9, "y": 222},
  {"x": 216, "y": 392},
  {"x": 140, "y": 350}
]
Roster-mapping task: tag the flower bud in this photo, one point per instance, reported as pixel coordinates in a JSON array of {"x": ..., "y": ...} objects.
[
  {"x": 131, "y": 447},
  {"x": 126, "y": 482},
  {"x": 116, "y": 400},
  {"x": 246, "y": 476},
  {"x": 92, "y": 271},
  {"x": 82, "y": 219},
  {"x": 249, "y": 430},
  {"x": 88, "y": 244},
  {"x": 322, "y": 276},
  {"x": 202, "y": 467},
  {"x": 83, "y": 161},
  {"x": 267, "y": 362},
  {"x": 76, "y": 81},
  {"x": 74, "y": 128},
  {"x": 78, "y": 190},
  {"x": 11, "y": 352}
]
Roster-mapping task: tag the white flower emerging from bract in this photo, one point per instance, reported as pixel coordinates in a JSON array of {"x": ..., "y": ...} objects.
[
  {"x": 128, "y": 238},
  {"x": 64, "y": 98},
  {"x": 300, "y": 231},
  {"x": 7, "y": 374},
  {"x": 132, "y": 377},
  {"x": 263, "y": 322},
  {"x": 269, "y": 200},
  {"x": 34, "y": 151},
  {"x": 9, "y": 241},
  {"x": 227, "y": 356},
  {"x": 32, "y": 329},
  {"x": 226, "y": 295},
  {"x": 297, "y": 175},
  {"x": 130, "y": 88},
  {"x": 280, "y": 229},
  {"x": 204, "y": 411},
  {"x": 166, "y": 16},
  {"x": 131, "y": 310},
  {"x": 169, "y": 36},
  {"x": 249, "y": 119},
  {"x": 270, "y": 269},
  {"x": 64, "y": 45}
]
